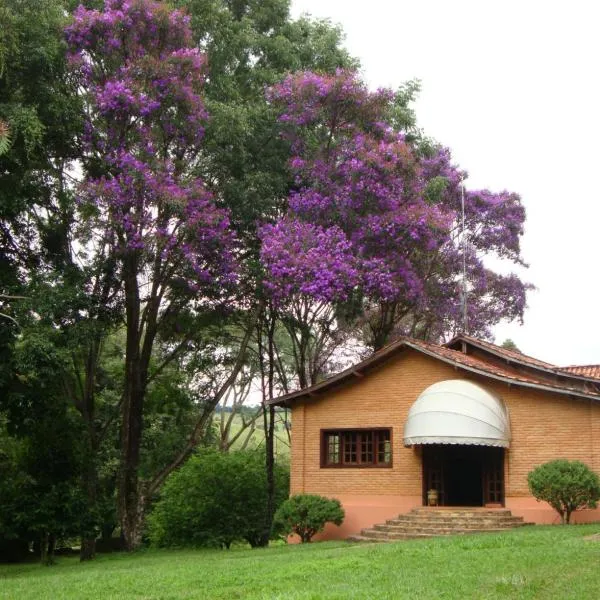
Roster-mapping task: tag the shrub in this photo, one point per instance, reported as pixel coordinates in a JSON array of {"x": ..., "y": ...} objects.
[
  {"x": 215, "y": 499},
  {"x": 566, "y": 485},
  {"x": 306, "y": 515}
]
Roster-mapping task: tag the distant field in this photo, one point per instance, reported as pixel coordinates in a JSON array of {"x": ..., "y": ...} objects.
[
  {"x": 531, "y": 563},
  {"x": 282, "y": 449}
]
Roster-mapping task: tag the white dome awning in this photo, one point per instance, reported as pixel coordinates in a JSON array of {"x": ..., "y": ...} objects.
[{"x": 457, "y": 412}]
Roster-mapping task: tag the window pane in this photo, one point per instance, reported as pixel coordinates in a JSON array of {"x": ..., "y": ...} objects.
[
  {"x": 366, "y": 449},
  {"x": 384, "y": 447},
  {"x": 333, "y": 448},
  {"x": 350, "y": 447}
]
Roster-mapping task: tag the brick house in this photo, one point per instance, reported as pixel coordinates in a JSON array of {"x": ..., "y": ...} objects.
[{"x": 468, "y": 419}]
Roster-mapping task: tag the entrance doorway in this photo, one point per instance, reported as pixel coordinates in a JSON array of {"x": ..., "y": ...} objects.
[{"x": 464, "y": 475}]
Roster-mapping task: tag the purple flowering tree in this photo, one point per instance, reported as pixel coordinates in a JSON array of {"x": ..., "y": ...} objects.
[
  {"x": 311, "y": 268},
  {"x": 172, "y": 247},
  {"x": 394, "y": 209},
  {"x": 493, "y": 229}
]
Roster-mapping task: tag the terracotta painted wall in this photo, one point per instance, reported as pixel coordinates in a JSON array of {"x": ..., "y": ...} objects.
[{"x": 544, "y": 426}]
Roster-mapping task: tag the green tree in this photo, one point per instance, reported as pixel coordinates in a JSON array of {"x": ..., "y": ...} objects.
[
  {"x": 566, "y": 486},
  {"x": 40, "y": 497},
  {"x": 215, "y": 499},
  {"x": 43, "y": 116},
  {"x": 510, "y": 345},
  {"x": 39, "y": 108},
  {"x": 251, "y": 44}
]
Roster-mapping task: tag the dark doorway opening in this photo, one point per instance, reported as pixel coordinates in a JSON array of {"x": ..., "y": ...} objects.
[{"x": 464, "y": 475}]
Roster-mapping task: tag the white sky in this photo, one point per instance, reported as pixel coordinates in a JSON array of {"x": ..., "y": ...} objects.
[{"x": 513, "y": 88}]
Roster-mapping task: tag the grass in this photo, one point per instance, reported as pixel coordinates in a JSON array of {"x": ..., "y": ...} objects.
[{"x": 533, "y": 562}]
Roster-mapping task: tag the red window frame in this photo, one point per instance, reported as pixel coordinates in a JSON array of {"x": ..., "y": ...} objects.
[{"x": 366, "y": 448}]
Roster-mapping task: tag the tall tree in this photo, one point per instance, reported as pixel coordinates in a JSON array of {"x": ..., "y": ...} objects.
[
  {"x": 251, "y": 44},
  {"x": 375, "y": 214},
  {"x": 38, "y": 260},
  {"x": 173, "y": 247}
]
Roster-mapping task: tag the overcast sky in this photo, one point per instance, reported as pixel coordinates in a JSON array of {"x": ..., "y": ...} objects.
[{"x": 513, "y": 88}]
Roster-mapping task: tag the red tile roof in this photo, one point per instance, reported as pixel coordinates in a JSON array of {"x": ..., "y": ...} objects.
[
  {"x": 592, "y": 371},
  {"x": 585, "y": 371},
  {"x": 571, "y": 383},
  {"x": 500, "y": 351},
  {"x": 507, "y": 372}
]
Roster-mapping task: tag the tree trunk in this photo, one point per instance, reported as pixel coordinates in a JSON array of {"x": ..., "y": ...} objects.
[
  {"x": 132, "y": 412},
  {"x": 88, "y": 535},
  {"x": 269, "y": 424},
  {"x": 44, "y": 548},
  {"x": 382, "y": 325},
  {"x": 47, "y": 546},
  {"x": 270, "y": 463},
  {"x": 107, "y": 531},
  {"x": 129, "y": 498},
  {"x": 88, "y": 549},
  {"x": 51, "y": 549}
]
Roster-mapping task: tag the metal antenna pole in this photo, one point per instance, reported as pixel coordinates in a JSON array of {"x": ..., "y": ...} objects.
[{"x": 464, "y": 257}]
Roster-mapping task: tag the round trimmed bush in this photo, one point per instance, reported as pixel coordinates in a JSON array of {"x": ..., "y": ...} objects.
[
  {"x": 566, "y": 486},
  {"x": 306, "y": 515}
]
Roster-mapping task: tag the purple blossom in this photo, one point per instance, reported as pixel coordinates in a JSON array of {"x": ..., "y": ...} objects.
[
  {"x": 396, "y": 209},
  {"x": 309, "y": 260},
  {"x": 143, "y": 82}
]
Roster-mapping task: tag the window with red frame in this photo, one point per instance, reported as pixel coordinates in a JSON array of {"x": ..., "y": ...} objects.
[{"x": 356, "y": 448}]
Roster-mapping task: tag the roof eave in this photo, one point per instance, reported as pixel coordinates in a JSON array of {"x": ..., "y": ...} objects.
[
  {"x": 355, "y": 372},
  {"x": 344, "y": 376}
]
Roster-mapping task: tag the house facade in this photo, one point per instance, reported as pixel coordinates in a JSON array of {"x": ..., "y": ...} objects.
[{"x": 468, "y": 420}]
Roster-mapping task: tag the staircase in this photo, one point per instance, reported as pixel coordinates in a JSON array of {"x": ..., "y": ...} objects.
[{"x": 426, "y": 522}]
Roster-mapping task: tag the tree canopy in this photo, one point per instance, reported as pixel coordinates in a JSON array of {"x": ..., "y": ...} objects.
[{"x": 198, "y": 197}]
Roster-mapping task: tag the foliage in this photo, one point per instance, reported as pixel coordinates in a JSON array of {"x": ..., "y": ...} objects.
[
  {"x": 4, "y": 137},
  {"x": 375, "y": 212},
  {"x": 306, "y": 515},
  {"x": 143, "y": 80},
  {"x": 251, "y": 44},
  {"x": 40, "y": 450},
  {"x": 39, "y": 120},
  {"x": 566, "y": 485},
  {"x": 215, "y": 499},
  {"x": 510, "y": 345}
]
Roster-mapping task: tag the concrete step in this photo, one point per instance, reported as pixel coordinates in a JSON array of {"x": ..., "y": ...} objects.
[
  {"x": 504, "y": 522},
  {"x": 454, "y": 512},
  {"x": 442, "y": 516},
  {"x": 430, "y": 522},
  {"x": 433, "y": 529}
]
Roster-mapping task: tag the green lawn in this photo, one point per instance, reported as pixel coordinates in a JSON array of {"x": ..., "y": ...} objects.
[{"x": 534, "y": 562}]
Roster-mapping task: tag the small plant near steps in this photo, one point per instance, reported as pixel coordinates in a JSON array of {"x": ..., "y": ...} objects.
[{"x": 426, "y": 522}]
